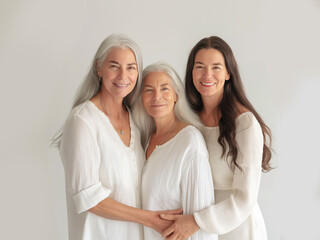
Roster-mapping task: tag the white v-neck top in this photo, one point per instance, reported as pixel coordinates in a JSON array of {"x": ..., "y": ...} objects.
[
  {"x": 177, "y": 175},
  {"x": 98, "y": 165},
  {"x": 236, "y": 214}
]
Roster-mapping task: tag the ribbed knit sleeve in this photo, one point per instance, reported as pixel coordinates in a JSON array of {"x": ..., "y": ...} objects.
[{"x": 225, "y": 216}]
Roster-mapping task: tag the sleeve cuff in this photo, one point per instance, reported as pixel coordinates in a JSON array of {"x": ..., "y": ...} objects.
[
  {"x": 90, "y": 197},
  {"x": 197, "y": 218},
  {"x": 204, "y": 220}
]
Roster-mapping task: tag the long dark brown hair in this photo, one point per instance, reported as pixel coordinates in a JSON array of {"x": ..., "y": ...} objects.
[{"x": 233, "y": 95}]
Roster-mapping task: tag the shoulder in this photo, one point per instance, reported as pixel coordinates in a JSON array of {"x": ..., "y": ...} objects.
[
  {"x": 83, "y": 113},
  {"x": 246, "y": 120},
  {"x": 193, "y": 148},
  {"x": 192, "y": 139},
  {"x": 191, "y": 133},
  {"x": 241, "y": 109},
  {"x": 78, "y": 126}
]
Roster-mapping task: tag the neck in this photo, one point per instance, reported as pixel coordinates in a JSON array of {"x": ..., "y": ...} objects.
[
  {"x": 211, "y": 109},
  {"x": 113, "y": 105},
  {"x": 163, "y": 125}
]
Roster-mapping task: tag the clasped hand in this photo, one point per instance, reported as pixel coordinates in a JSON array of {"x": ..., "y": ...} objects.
[{"x": 183, "y": 226}]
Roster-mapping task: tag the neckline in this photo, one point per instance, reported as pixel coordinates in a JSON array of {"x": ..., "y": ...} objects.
[
  {"x": 103, "y": 115},
  {"x": 164, "y": 144},
  {"x": 236, "y": 119},
  {"x": 178, "y": 133}
]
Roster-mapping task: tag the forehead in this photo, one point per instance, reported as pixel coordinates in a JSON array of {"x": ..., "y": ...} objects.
[
  {"x": 157, "y": 78},
  {"x": 209, "y": 55},
  {"x": 121, "y": 54}
]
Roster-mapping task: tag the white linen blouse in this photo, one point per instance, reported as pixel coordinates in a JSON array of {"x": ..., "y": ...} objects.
[
  {"x": 236, "y": 214},
  {"x": 177, "y": 175},
  {"x": 98, "y": 165}
]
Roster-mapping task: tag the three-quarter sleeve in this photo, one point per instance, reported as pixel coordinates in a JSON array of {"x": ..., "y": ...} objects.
[
  {"x": 80, "y": 155},
  {"x": 197, "y": 189},
  {"x": 228, "y": 214}
]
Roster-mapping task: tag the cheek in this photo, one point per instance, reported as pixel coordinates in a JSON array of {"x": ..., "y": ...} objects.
[
  {"x": 197, "y": 73},
  {"x": 134, "y": 77},
  {"x": 194, "y": 75},
  {"x": 171, "y": 98},
  {"x": 107, "y": 75}
]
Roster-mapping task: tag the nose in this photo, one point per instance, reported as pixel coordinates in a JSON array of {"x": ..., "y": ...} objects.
[
  {"x": 123, "y": 73},
  {"x": 156, "y": 95},
  {"x": 208, "y": 72}
]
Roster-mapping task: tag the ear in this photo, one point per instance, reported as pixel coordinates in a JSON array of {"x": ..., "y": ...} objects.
[
  {"x": 227, "y": 76},
  {"x": 97, "y": 69},
  {"x": 175, "y": 98}
]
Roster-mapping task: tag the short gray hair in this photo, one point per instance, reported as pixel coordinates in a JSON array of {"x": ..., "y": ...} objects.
[{"x": 183, "y": 112}]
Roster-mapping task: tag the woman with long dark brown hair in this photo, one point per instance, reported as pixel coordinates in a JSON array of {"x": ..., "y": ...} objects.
[{"x": 238, "y": 143}]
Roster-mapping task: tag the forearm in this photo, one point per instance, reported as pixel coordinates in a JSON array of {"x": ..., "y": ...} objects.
[{"x": 111, "y": 209}]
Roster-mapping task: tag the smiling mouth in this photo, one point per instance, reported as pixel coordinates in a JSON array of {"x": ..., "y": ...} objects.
[
  {"x": 121, "y": 85},
  {"x": 157, "y": 105},
  {"x": 207, "y": 84}
]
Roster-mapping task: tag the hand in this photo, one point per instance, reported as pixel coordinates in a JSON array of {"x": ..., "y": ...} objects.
[
  {"x": 182, "y": 228},
  {"x": 159, "y": 224}
]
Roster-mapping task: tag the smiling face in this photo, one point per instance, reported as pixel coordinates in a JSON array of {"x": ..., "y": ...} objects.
[
  {"x": 209, "y": 72},
  {"x": 119, "y": 72},
  {"x": 158, "y": 95}
]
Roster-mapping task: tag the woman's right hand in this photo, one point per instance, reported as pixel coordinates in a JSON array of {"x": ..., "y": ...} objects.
[
  {"x": 159, "y": 224},
  {"x": 183, "y": 227}
]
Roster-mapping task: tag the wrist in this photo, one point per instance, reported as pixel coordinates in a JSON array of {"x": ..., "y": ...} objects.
[
  {"x": 195, "y": 223},
  {"x": 148, "y": 218}
]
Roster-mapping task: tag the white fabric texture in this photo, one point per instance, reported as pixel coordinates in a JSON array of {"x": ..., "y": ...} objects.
[
  {"x": 236, "y": 214},
  {"x": 98, "y": 165},
  {"x": 177, "y": 175}
]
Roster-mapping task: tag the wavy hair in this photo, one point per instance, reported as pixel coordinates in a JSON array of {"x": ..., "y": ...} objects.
[
  {"x": 92, "y": 85},
  {"x": 183, "y": 112},
  {"x": 233, "y": 95}
]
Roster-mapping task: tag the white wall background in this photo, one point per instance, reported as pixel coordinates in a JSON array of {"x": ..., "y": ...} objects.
[{"x": 46, "y": 48}]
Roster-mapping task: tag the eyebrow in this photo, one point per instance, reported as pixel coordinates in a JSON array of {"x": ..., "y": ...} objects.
[
  {"x": 165, "y": 84},
  {"x": 115, "y": 62},
  {"x": 215, "y": 64}
]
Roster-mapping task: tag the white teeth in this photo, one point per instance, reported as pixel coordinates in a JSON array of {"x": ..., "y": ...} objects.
[
  {"x": 121, "y": 85},
  {"x": 207, "y": 84}
]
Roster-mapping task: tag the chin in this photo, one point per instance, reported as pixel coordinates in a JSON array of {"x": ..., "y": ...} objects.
[
  {"x": 122, "y": 94},
  {"x": 155, "y": 114}
]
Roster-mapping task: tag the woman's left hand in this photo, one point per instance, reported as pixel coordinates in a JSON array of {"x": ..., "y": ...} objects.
[{"x": 182, "y": 228}]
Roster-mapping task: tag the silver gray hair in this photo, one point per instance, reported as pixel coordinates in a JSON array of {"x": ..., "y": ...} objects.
[
  {"x": 183, "y": 112},
  {"x": 91, "y": 84}
]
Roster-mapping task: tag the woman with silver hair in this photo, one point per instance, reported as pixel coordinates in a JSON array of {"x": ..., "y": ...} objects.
[
  {"x": 177, "y": 172},
  {"x": 101, "y": 151}
]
